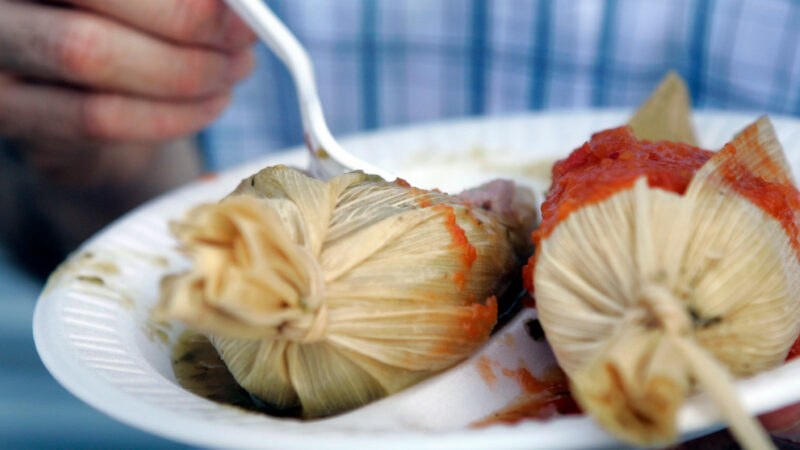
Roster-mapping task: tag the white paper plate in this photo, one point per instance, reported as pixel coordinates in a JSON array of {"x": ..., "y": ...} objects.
[{"x": 98, "y": 342}]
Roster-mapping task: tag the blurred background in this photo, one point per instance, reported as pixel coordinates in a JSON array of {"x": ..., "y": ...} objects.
[{"x": 379, "y": 64}]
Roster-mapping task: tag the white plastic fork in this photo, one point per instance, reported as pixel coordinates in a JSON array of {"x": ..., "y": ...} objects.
[{"x": 328, "y": 158}]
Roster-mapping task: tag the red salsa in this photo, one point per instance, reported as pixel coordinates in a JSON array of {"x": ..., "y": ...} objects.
[
  {"x": 542, "y": 398},
  {"x": 610, "y": 162}
]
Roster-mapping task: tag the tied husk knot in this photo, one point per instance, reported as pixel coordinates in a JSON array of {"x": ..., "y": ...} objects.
[{"x": 249, "y": 281}]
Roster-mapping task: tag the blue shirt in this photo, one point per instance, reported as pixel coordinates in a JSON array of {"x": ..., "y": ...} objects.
[{"x": 387, "y": 63}]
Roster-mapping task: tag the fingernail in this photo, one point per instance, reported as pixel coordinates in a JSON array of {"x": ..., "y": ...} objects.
[{"x": 240, "y": 65}]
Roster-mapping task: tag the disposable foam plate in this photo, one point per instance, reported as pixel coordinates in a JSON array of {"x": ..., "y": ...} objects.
[{"x": 93, "y": 331}]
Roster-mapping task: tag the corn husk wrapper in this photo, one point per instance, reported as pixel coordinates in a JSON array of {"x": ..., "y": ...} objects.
[
  {"x": 648, "y": 294},
  {"x": 331, "y": 294},
  {"x": 666, "y": 115}
]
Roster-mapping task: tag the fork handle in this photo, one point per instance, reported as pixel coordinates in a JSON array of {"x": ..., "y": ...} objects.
[{"x": 328, "y": 158}]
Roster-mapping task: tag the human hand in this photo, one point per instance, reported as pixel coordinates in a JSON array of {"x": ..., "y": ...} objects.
[
  {"x": 784, "y": 423},
  {"x": 103, "y": 84}
]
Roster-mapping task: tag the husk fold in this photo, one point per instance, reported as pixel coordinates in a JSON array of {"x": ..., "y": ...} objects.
[
  {"x": 666, "y": 114},
  {"x": 333, "y": 294},
  {"x": 648, "y": 294}
]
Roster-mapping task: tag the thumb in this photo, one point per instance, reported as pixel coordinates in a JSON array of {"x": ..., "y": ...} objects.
[{"x": 784, "y": 423}]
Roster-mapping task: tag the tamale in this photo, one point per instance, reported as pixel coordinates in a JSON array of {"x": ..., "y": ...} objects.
[
  {"x": 668, "y": 280},
  {"x": 329, "y": 295}
]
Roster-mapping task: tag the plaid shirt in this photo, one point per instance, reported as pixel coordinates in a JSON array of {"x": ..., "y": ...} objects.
[{"x": 382, "y": 63}]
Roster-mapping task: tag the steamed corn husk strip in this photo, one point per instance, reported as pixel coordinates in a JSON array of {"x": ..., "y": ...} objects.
[
  {"x": 647, "y": 294},
  {"x": 667, "y": 114},
  {"x": 333, "y": 294}
]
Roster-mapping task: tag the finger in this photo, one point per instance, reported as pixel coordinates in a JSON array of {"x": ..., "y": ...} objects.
[
  {"x": 31, "y": 112},
  {"x": 91, "y": 166},
  {"x": 88, "y": 166},
  {"x": 783, "y": 423},
  {"x": 205, "y": 22},
  {"x": 88, "y": 50},
  {"x": 127, "y": 172}
]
